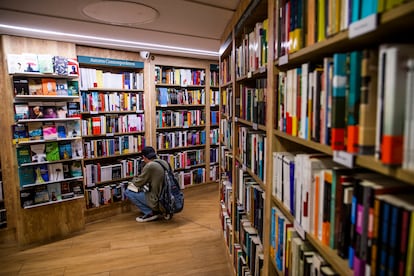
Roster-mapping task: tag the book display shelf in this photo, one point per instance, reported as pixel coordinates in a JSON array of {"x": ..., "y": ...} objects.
[
  {"x": 113, "y": 126},
  {"x": 46, "y": 132},
  {"x": 336, "y": 192},
  {"x": 185, "y": 120}
]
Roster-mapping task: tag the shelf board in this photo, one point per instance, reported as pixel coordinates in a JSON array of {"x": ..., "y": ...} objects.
[
  {"x": 111, "y": 156},
  {"x": 261, "y": 72},
  {"x": 113, "y": 134},
  {"x": 51, "y": 162},
  {"x": 31, "y": 142},
  {"x": 182, "y": 106},
  {"x": 101, "y": 89},
  {"x": 44, "y": 75},
  {"x": 252, "y": 174},
  {"x": 338, "y": 264},
  {"x": 111, "y": 181},
  {"x": 45, "y": 97},
  {"x": 54, "y": 202},
  {"x": 255, "y": 126},
  {"x": 112, "y": 112},
  {"x": 179, "y": 128},
  {"x": 190, "y": 147},
  {"x": 178, "y": 85},
  {"x": 225, "y": 85},
  {"x": 48, "y": 120},
  {"x": 310, "y": 144},
  {"x": 51, "y": 182}
]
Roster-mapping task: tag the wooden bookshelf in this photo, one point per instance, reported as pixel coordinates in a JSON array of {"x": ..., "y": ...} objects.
[{"x": 391, "y": 27}]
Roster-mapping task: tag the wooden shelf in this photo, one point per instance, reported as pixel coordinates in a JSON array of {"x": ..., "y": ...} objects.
[
  {"x": 102, "y": 89},
  {"x": 189, "y": 147},
  {"x": 113, "y": 134},
  {"x": 178, "y": 85},
  {"x": 54, "y": 202},
  {"x": 254, "y": 126},
  {"x": 111, "y": 157},
  {"x": 310, "y": 144},
  {"x": 50, "y": 162},
  {"x": 72, "y": 179},
  {"x": 45, "y": 97},
  {"x": 44, "y": 75},
  {"x": 186, "y": 106},
  {"x": 179, "y": 128}
]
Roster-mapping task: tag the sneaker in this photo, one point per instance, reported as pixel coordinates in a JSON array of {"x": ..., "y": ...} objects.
[{"x": 148, "y": 217}]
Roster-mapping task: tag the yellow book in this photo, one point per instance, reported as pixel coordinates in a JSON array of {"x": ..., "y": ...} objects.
[
  {"x": 321, "y": 20},
  {"x": 99, "y": 78},
  {"x": 410, "y": 250}
]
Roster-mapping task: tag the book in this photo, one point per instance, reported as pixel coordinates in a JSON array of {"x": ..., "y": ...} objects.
[
  {"x": 26, "y": 197},
  {"x": 77, "y": 188},
  {"x": 54, "y": 191},
  {"x": 41, "y": 174},
  {"x": 73, "y": 66},
  {"x": 36, "y": 111},
  {"x": 73, "y": 109},
  {"x": 65, "y": 150},
  {"x": 21, "y": 86},
  {"x": 55, "y": 171},
  {"x": 15, "y": 63},
  {"x": 26, "y": 175},
  {"x": 353, "y": 99},
  {"x": 76, "y": 169},
  {"x": 20, "y": 133},
  {"x": 52, "y": 151},
  {"x": 338, "y": 101},
  {"x": 73, "y": 128},
  {"x": 23, "y": 155},
  {"x": 30, "y": 62},
  {"x": 35, "y": 130},
  {"x": 21, "y": 111},
  {"x": 61, "y": 129},
  {"x": 60, "y": 65},
  {"x": 49, "y": 131},
  {"x": 35, "y": 87},
  {"x": 62, "y": 87},
  {"x": 38, "y": 152},
  {"x": 73, "y": 88},
  {"x": 65, "y": 190},
  {"x": 50, "y": 112},
  {"x": 41, "y": 194},
  {"x": 77, "y": 148},
  {"x": 49, "y": 86},
  {"x": 45, "y": 63}
]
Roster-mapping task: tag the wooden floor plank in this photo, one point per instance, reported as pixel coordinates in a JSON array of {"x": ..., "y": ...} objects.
[{"x": 190, "y": 244}]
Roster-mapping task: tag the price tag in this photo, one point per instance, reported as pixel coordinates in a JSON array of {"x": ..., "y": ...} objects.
[
  {"x": 255, "y": 126},
  {"x": 94, "y": 112},
  {"x": 140, "y": 111},
  {"x": 283, "y": 60},
  {"x": 163, "y": 105},
  {"x": 363, "y": 26},
  {"x": 249, "y": 75},
  {"x": 236, "y": 119},
  {"x": 110, "y": 134},
  {"x": 262, "y": 69},
  {"x": 344, "y": 158}
]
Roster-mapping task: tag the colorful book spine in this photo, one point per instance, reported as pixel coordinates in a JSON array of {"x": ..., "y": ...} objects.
[{"x": 338, "y": 101}]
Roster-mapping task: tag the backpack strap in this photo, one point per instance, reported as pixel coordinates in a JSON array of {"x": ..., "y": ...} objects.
[{"x": 162, "y": 165}]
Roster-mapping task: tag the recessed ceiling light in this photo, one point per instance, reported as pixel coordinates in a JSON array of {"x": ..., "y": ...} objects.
[{"x": 120, "y": 12}]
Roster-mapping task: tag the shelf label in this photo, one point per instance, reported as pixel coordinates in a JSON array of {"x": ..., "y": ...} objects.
[
  {"x": 250, "y": 74},
  {"x": 163, "y": 105},
  {"x": 344, "y": 158},
  {"x": 283, "y": 59},
  {"x": 93, "y": 112},
  {"x": 255, "y": 126},
  {"x": 363, "y": 26},
  {"x": 109, "y": 134},
  {"x": 110, "y": 62},
  {"x": 262, "y": 69},
  {"x": 244, "y": 168}
]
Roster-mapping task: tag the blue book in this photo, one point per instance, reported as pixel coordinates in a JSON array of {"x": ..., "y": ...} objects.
[
  {"x": 356, "y": 10},
  {"x": 368, "y": 7},
  {"x": 162, "y": 96}
]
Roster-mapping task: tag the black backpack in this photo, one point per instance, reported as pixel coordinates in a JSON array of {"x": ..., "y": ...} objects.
[{"x": 171, "y": 198}]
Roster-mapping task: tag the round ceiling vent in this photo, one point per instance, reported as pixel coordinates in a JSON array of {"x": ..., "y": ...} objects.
[{"x": 120, "y": 12}]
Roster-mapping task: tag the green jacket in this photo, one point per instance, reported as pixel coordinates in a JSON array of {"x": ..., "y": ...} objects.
[{"x": 152, "y": 173}]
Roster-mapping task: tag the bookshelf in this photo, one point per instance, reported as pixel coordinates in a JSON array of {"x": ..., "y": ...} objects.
[
  {"x": 186, "y": 117},
  {"x": 293, "y": 54},
  {"x": 66, "y": 210},
  {"x": 113, "y": 126},
  {"x": 3, "y": 210}
]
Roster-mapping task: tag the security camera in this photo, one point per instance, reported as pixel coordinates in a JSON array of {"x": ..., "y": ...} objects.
[{"x": 144, "y": 54}]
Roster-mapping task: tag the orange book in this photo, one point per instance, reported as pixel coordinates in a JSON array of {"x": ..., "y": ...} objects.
[
  {"x": 49, "y": 86},
  {"x": 96, "y": 125}
]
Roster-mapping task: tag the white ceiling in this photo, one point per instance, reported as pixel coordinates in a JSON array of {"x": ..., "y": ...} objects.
[{"x": 186, "y": 24}]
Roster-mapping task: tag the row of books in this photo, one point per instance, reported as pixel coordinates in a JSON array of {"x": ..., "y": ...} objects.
[
  {"x": 185, "y": 159},
  {"x": 42, "y": 63},
  {"x": 227, "y": 102},
  {"x": 95, "y": 101},
  {"x": 48, "y": 152},
  {"x": 36, "y": 131},
  {"x": 369, "y": 109},
  {"x": 214, "y": 117},
  {"x": 214, "y": 97},
  {"x": 95, "y": 78},
  {"x": 182, "y": 138},
  {"x": 334, "y": 204},
  {"x": 100, "y": 196},
  {"x": 46, "y": 110},
  {"x": 113, "y": 146},
  {"x": 291, "y": 254},
  {"x": 166, "y": 96},
  {"x": 42, "y": 194},
  {"x": 214, "y": 173},
  {"x": 113, "y": 123},
  {"x": 303, "y": 23},
  {"x": 251, "y": 105},
  {"x": 251, "y": 54},
  {"x": 96, "y": 173},
  {"x": 226, "y": 133},
  {"x": 214, "y": 136},
  {"x": 252, "y": 150},
  {"x": 214, "y": 78},
  {"x": 179, "y": 76},
  {"x": 52, "y": 172},
  {"x": 214, "y": 155},
  {"x": 45, "y": 87},
  {"x": 226, "y": 67},
  {"x": 179, "y": 118}
]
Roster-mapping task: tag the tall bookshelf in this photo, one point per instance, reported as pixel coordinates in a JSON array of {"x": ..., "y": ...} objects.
[
  {"x": 286, "y": 137},
  {"x": 113, "y": 126},
  {"x": 185, "y": 104},
  {"x": 59, "y": 217}
]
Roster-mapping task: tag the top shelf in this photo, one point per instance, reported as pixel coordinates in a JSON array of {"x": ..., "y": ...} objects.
[
  {"x": 43, "y": 75},
  {"x": 390, "y": 25}
]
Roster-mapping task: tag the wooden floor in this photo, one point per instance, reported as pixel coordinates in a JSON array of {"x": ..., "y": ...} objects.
[{"x": 190, "y": 244}]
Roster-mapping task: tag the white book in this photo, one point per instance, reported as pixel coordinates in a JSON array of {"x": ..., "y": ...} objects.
[
  {"x": 303, "y": 130},
  {"x": 288, "y": 159},
  {"x": 408, "y": 156}
]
